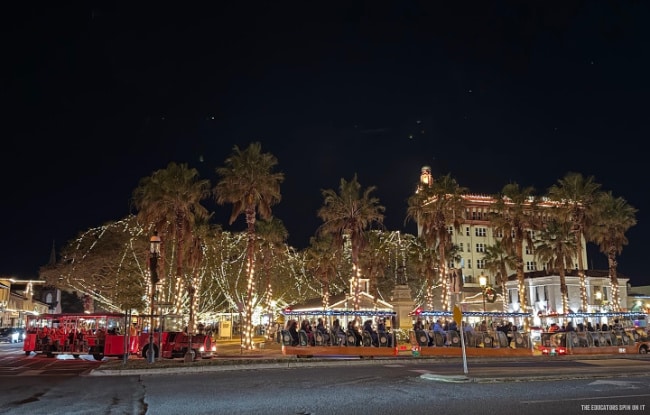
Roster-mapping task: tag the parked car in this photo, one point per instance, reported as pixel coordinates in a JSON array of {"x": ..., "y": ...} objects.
[{"x": 12, "y": 335}]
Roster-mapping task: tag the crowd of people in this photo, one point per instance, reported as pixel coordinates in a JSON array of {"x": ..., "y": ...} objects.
[
  {"x": 318, "y": 333},
  {"x": 581, "y": 327},
  {"x": 446, "y": 331}
]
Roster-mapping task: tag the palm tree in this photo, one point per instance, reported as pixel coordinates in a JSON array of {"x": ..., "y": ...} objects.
[
  {"x": 435, "y": 208},
  {"x": 170, "y": 200},
  {"x": 374, "y": 260},
  {"x": 323, "y": 259},
  {"x": 497, "y": 261},
  {"x": 614, "y": 216},
  {"x": 250, "y": 185},
  {"x": 348, "y": 214},
  {"x": 272, "y": 238},
  {"x": 423, "y": 260},
  {"x": 513, "y": 218},
  {"x": 577, "y": 194},
  {"x": 556, "y": 247}
]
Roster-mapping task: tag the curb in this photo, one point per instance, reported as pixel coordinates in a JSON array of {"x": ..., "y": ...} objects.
[{"x": 447, "y": 378}]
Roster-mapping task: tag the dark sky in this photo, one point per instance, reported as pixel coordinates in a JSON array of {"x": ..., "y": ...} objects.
[{"x": 491, "y": 92}]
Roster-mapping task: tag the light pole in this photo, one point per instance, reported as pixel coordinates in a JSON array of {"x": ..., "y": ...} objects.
[
  {"x": 154, "y": 253},
  {"x": 482, "y": 281}
]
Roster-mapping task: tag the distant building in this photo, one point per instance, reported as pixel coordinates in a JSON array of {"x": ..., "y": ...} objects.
[
  {"x": 18, "y": 299},
  {"x": 543, "y": 287}
]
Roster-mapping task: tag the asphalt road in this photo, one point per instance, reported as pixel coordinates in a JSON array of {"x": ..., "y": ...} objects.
[{"x": 36, "y": 384}]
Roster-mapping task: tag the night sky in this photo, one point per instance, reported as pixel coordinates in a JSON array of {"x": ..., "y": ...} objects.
[{"x": 490, "y": 92}]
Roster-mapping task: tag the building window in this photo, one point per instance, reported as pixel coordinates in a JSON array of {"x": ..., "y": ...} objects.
[
  {"x": 529, "y": 250},
  {"x": 480, "y": 263},
  {"x": 480, "y": 231},
  {"x": 480, "y": 247},
  {"x": 513, "y": 295},
  {"x": 469, "y": 263},
  {"x": 531, "y": 234},
  {"x": 460, "y": 247},
  {"x": 531, "y": 266},
  {"x": 498, "y": 233},
  {"x": 467, "y": 231}
]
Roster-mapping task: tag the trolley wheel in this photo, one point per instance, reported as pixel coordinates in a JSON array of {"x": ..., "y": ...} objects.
[
  {"x": 643, "y": 349},
  {"x": 145, "y": 352},
  {"x": 49, "y": 354},
  {"x": 76, "y": 356},
  {"x": 27, "y": 352},
  {"x": 98, "y": 356}
]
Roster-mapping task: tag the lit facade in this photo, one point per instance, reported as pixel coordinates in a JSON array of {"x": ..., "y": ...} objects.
[
  {"x": 542, "y": 287},
  {"x": 17, "y": 300}
]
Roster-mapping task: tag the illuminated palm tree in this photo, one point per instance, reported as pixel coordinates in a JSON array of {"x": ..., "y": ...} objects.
[
  {"x": 250, "y": 185},
  {"x": 498, "y": 260},
  {"x": 556, "y": 247},
  {"x": 272, "y": 236},
  {"x": 374, "y": 260},
  {"x": 170, "y": 200},
  {"x": 514, "y": 218},
  {"x": 435, "y": 208},
  {"x": 614, "y": 217},
  {"x": 323, "y": 260},
  {"x": 423, "y": 260},
  {"x": 348, "y": 214},
  {"x": 577, "y": 194}
]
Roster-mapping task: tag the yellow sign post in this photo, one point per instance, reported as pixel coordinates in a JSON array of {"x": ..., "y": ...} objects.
[{"x": 458, "y": 318}]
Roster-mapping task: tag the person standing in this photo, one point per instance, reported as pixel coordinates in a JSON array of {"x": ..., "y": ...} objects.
[{"x": 133, "y": 338}]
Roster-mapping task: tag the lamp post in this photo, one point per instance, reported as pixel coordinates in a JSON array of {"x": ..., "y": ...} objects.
[
  {"x": 482, "y": 280},
  {"x": 154, "y": 253}
]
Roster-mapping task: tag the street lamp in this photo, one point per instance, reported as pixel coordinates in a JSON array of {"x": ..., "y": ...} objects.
[
  {"x": 154, "y": 253},
  {"x": 482, "y": 280}
]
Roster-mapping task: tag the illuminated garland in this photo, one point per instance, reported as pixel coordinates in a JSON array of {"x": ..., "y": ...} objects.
[
  {"x": 490, "y": 294},
  {"x": 369, "y": 313},
  {"x": 449, "y": 314}
]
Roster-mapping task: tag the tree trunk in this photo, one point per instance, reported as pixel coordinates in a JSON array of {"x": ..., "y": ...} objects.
[
  {"x": 581, "y": 273},
  {"x": 613, "y": 277},
  {"x": 250, "y": 270}
]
